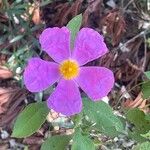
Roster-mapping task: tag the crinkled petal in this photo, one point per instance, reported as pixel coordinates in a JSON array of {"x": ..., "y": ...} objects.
[
  {"x": 89, "y": 45},
  {"x": 56, "y": 42},
  {"x": 66, "y": 98},
  {"x": 40, "y": 74},
  {"x": 96, "y": 82}
]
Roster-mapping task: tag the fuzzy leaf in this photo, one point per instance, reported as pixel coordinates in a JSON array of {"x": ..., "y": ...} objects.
[
  {"x": 30, "y": 120},
  {"x": 102, "y": 114},
  {"x": 74, "y": 25},
  {"x": 137, "y": 117},
  {"x": 147, "y": 73},
  {"x": 56, "y": 142},
  {"x": 81, "y": 142},
  {"x": 141, "y": 125},
  {"x": 146, "y": 90}
]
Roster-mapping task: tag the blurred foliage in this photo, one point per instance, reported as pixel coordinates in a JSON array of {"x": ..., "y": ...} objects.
[
  {"x": 56, "y": 142},
  {"x": 142, "y": 5},
  {"x": 20, "y": 33},
  {"x": 141, "y": 124},
  {"x": 143, "y": 146}
]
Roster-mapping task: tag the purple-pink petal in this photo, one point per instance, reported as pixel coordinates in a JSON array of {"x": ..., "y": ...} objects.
[
  {"x": 89, "y": 45},
  {"x": 56, "y": 42},
  {"x": 96, "y": 82},
  {"x": 40, "y": 74},
  {"x": 66, "y": 98}
]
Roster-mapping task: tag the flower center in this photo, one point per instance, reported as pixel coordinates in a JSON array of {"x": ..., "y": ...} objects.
[{"x": 69, "y": 69}]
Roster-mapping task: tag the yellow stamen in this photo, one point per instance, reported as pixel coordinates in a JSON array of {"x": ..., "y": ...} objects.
[{"x": 69, "y": 69}]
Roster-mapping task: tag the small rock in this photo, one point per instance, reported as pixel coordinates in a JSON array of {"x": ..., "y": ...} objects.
[
  {"x": 56, "y": 128},
  {"x": 128, "y": 144},
  {"x": 4, "y": 134},
  {"x": 18, "y": 70},
  {"x": 12, "y": 143},
  {"x": 115, "y": 139},
  {"x": 111, "y": 3}
]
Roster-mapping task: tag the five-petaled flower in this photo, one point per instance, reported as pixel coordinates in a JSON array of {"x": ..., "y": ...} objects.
[{"x": 69, "y": 70}]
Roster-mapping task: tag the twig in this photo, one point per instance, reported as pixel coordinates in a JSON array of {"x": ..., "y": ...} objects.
[
  {"x": 145, "y": 52},
  {"x": 132, "y": 39},
  {"x": 131, "y": 1}
]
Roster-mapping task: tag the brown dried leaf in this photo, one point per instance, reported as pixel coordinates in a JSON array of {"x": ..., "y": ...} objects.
[
  {"x": 62, "y": 12},
  {"x": 115, "y": 25},
  {"x": 94, "y": 8},
  {"x": 72, "y": 10},
  {"x": 33, "y": 140},
  {"x": 4, "y": 97},
  {"x": 3, "y": 59},
  {"x": 5, "y": 73},
  {"x": 34, "y": 11},
  {"x": 139, "y": 102},
  {"x": 36, "y": 15},
  {"x": 10, "y": 105},
  {"x": 3, "y": 17}
]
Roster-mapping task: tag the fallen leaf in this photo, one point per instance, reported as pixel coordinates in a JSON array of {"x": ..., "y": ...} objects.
[
  {"x": 10, "y": 100},
  {"x": 5, "y": 73},
  {"x": 33, "y": 140},
  {"x": 34, "y": 10},
  {"x": 3, "y": 59},
  {"x": 93, "y": 10},
  {"x": 115, "y": 25},
  {"x": 139, "y": 102},
  {"x": 4, "y": 97},
  {"x": 36, "y": 16}
]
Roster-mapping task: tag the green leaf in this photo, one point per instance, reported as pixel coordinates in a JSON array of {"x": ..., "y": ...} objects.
[
  {"x": 136, "y": 136},
  {"x": 56, "y": 142},
  {"x": 74, "y": 26},
  {"x": 30, "y": 120},
  {"x": 17, "y": 38},
  {"x": 141, "y": 125},
  {"x": 81, "y": 142},
  {"x": 147, "y": 135},
  {"x": 143, "y": 146},
  {"x": 146, "y": 90},
  {"x": 147, "y": 117},
  {"x": 147, "y": 73},
  {"x": 137, "y": 117},
  {"x": 102, "y": 114}
]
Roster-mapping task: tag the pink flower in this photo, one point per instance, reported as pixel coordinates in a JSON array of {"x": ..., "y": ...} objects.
[{"x": 68, "y": 69}]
